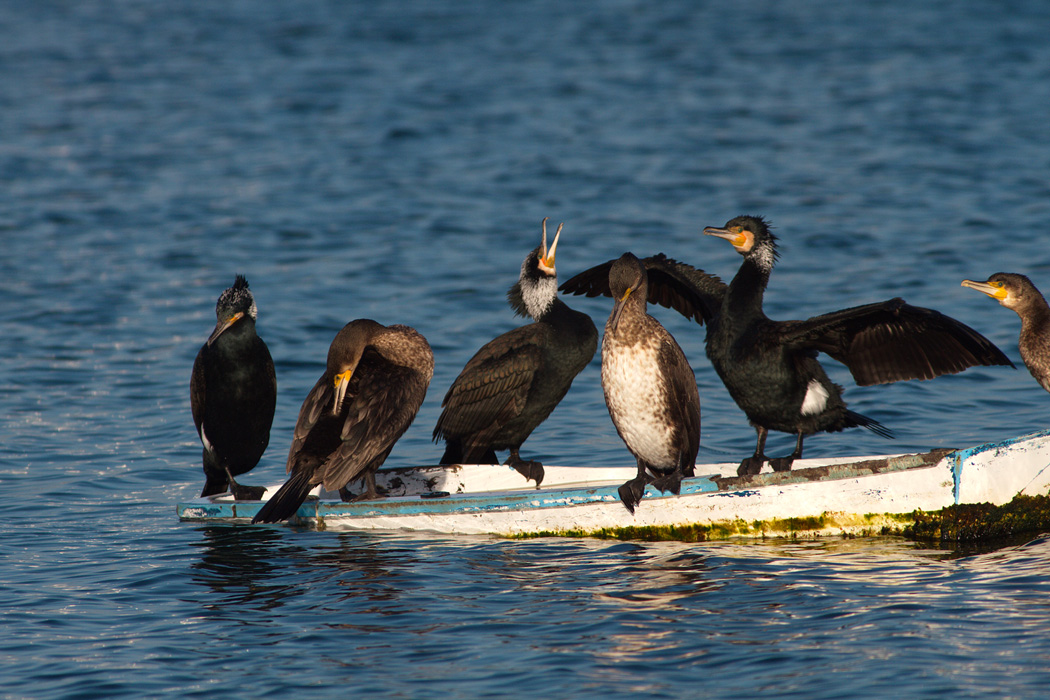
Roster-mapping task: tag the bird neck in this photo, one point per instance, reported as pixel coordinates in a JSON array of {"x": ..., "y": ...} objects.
[
  {"x": 746, "y": 291},
  {"x": 533, "y": 296}
]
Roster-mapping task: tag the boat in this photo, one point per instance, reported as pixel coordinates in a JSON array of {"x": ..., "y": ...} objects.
[{"x": 817, "y": 498}]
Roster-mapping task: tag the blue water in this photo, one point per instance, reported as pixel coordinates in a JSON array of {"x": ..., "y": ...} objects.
[{"x": 393, "y": 161}]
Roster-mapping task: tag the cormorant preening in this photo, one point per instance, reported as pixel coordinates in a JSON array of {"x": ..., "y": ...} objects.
[
  {"x": 372, "y": 387},
  {"x": 649, "y": 387},
  {"x": 1018, "y": 293},
  {"x": 233, "y": 392},
  {"x": 770, "y": 367},
  {"x": 513, "y": 382}
]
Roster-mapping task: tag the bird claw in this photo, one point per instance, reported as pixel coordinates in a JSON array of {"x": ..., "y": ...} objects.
[
  {"x": 669, "y": 482},
  {"x": 781, "y": 464},
  {"x": 530, "y": 469},
  {"x": 750, "y": 466},
  {"x": 246, "y": 493},
  {"x": 631, "y": 493}
]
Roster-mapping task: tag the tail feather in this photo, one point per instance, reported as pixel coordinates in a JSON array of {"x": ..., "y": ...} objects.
[
  {"x": 283, "y": 504},
  {"x": 872, "y": 425}
]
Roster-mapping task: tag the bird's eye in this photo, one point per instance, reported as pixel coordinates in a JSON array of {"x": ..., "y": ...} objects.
[{"x": 1000, "y": 284}]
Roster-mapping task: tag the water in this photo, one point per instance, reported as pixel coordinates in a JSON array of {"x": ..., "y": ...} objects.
[{"x": 394, "y": 162}]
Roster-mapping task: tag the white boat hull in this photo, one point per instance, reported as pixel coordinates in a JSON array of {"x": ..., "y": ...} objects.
[{"x": 817, "y": 498}]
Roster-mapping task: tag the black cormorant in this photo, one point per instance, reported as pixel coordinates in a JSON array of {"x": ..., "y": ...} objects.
[
  {"x": 374, "y": 382},
  {"x": 233, "y": 392},
  {"x": 649, "y": 387},
  {"x": 770, "y": 368},
  {"x": 513, "y": 382},
  {"x": 1018, "y": 293}
]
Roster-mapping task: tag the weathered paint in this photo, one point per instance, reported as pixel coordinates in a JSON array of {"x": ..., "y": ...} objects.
[{"x": 864, "y": 496}]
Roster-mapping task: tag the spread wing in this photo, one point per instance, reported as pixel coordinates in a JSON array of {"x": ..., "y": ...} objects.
[
  {"x": 676, "y": 285},
  {"x": 382, "y": 401},
  {"x": 493, "y": 386},
  {"x": 892, "y": 341}
]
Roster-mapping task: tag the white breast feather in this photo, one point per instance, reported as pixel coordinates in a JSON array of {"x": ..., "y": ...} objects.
[{"x": 634, "y": 392}]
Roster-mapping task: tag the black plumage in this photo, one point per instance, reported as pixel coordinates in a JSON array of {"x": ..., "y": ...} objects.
[
  {"x": 513, "y": 382},
  {"x": 372, "y": 387},
  {"x": 1017, "y": 292},
  {"x": 770, "y": 368},
  {"x": 233, "y": 393},
  {"x": 649, "y": 387}
]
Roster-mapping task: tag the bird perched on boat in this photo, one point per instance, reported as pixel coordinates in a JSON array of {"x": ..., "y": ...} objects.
[
  {"x": 770, "y": 368},
  {"x": 373, "y": 384},
  {"x": 1018, "y": 293},
  {"x": 649, "y": 387},
  {"x": 513, "y": 382},
  {"x": 233, "y": 393}
]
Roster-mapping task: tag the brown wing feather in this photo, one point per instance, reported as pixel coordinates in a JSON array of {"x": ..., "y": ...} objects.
[
  {"x": 892, "y": 341},
  {"x": 672, "y": 284},
  {"x": 494, "y": 384}
]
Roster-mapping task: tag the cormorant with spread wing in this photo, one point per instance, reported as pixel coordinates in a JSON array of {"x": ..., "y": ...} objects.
[{"x": 770, "y": 368}]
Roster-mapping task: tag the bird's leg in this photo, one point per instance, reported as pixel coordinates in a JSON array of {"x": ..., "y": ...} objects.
[
  {"x": 244, "y": 493},
  {"x": 783, "y": 464},
  {"x": 530, "y": 469},
  {"x": 631, "y": 492},
  {"x": 753, "y": 464},
  {"x": 370, "y": 493}
]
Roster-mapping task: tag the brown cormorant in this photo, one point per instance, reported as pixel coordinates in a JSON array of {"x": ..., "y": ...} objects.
[
  {"x": 1018, "y": 293},
  {"x": 649, "y": 387},
  {"x": 513, "y": 382},
  {"x": 233, "y": 392},
  {"x": 770, "y": 368},
  {"x": 374, "y": 382}
]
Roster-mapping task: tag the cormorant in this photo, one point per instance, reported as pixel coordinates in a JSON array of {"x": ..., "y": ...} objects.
[
  {"x": 233, "y": 393},
  {"x": 770, "y": 367},
  {"x": 513, "y": 382},
  {"x": 649, "y": 387},
  {"x": 1018, "y": 293},
  {"x": 374, "y": 382}
]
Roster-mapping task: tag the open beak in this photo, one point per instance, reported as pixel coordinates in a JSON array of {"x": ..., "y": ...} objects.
[
  {"x": 547, "y": 256},
  {"x": 220, "y": 327},
  {"x": 985, "y": 288}
]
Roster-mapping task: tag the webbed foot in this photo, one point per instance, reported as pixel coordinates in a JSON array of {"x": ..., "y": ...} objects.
[
  {"x": 751, "y": 465},
  {"x": 631, "y": 493},
  {"x": 781, "y": 464},
  {"x": 669, "y": 482},
  {"x": 530, "y": 469},
  {"x": 246, "y": 493}
]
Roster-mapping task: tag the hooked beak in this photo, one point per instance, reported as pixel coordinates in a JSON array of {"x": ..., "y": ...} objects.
[
  {"x": 547, "y": 256},
  {"x": 737, "y": 238},
  {"x": 222, "y": 326},
  {"x": 342, "y": 381},
  {"x": 614, "y": 319},
  {"x": 985, "y": 288}
]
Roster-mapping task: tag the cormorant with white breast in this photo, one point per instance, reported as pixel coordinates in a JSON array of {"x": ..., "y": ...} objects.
[
  {"x": 1017, "y": 292},
  {"x": 374, "y": 382},
  {"x": 513, "y": 382},
  {"x": 649, "y": 387},
  {"x": 770, "y": 368},
  {"x": 233, "y": 393}
]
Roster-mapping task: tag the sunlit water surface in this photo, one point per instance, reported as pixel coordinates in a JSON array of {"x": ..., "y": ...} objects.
[{"x": 394, "y": 161}]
